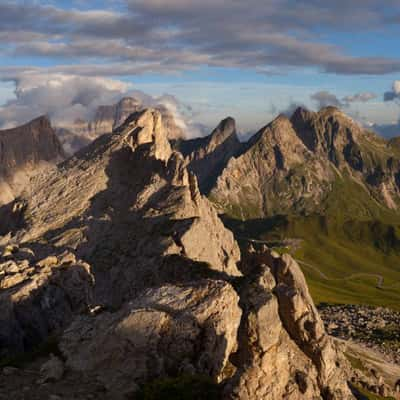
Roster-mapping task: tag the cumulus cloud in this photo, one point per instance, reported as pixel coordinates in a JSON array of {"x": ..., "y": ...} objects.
[
  {"x": 62, "y": 97},
  {"x": 324, "y": 98},
  {"x": 391, "y": 129},
  {"x": 68, "y": 98},
  {"x": 363, "y": 97},
  {"x": 393, "y": 94}
]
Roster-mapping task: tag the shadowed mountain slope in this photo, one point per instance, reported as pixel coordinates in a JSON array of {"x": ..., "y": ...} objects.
[{"x": 24, "y": 151}]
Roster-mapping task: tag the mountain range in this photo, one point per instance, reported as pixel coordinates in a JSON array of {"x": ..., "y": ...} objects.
[
  {"x": 145, "y": 256},
  {"x": 292, "y": 165}
]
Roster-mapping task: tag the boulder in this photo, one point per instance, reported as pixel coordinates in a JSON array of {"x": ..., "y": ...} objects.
[
  {"x": 170, "y": 330},
  {"x": 38, "y": 300}
]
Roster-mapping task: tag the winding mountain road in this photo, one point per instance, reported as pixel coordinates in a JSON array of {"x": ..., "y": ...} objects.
[{"x": 379, "y": 278}]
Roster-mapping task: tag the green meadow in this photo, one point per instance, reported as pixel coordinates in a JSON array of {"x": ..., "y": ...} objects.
[{"x": 353, "y": 262}]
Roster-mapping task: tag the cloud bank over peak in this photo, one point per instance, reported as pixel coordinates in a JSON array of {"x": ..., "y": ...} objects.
[
  {"x": 63, "y": 98},
  {"x": 360, "y": 97},
  {"x": 66, "y": 99},
  {"x": 325, "y": 98}
]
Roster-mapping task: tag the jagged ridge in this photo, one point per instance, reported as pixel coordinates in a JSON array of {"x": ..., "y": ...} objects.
[{"x": 293, "y": 165}]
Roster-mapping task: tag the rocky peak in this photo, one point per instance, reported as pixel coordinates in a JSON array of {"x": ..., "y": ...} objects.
[
  {"x": 42, "y": 122},
  {"x": 198, "y": 147},
  {"x": 25, "y": 150},
  {"x": 125, "y": 107},
  {"x": 274, "y": 171},
  {"x": 280, "y": 127},
  {"x": 207, "y": 157},
  {"x": 225, "y": 130},
  {"x": 294, "y": 164},
  {"x": 129, "y": 174},
  {"x": 279, "y": 138},
  {"x": 145, "y": 127},
  {"x": 326, "y": 132},
  {"x": 39, "y": 131},
  {"x": 110, "y": 117},
  {"x": 302, "y": 113}
]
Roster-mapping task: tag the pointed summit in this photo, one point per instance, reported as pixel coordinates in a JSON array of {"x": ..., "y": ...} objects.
[
  {"x": 326, "y": 132},
  {"x": 107, "y": 118},
  {"x": 208, "y": 156},
  {"x": 225, "y": 129},
  {"x": 278, "y": 132},
  {"x": 125, "y": 107},
  {"x": 42, "y": 122},
  {"x": 146, "y": 127},
  {"x": 196, "y": 148}
]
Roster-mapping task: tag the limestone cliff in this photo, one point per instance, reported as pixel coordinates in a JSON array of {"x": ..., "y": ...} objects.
[{"x": 24, "y": 151}]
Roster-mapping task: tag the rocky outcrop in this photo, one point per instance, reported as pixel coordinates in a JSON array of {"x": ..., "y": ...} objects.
[
  {"x": 39, "y": 297},
  {"x": 284, "y": 352},
  {"x": 329, "y": 133},
  {"x": 167, "y": 331},
  {"x": 80, "y": 133},
  {"x": 161, "y": 289},
  {"x": 207, "y": 157},
  {"x": 24, "y": 151},
  {"x": 113, "y": 116},
  {"x": 368, "y": 158}
]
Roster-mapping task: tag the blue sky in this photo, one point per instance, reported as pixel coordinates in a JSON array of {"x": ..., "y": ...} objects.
[{"x": 250, "y": 60}]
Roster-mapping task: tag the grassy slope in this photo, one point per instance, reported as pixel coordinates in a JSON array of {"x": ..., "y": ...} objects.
[
  {"x": 355, "y": 235},
  {"x": 339, "y": 255}
]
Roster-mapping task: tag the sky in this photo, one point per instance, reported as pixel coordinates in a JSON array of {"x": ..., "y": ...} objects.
[{"x": 248, "y": 59}]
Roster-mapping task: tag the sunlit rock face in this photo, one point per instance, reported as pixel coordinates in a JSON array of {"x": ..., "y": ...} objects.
[{"x": 81, "y": 132}]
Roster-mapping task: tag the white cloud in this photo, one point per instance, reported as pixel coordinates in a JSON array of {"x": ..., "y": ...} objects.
[
  {"x": 393, "y": 94},
  {"x": 360, "y": 97},
  {"x": 324, "y": 98},
  {"x": 66, "y": 98},
  {"x": 396, "y": 87},
  {"x": 61, "y": 97}
]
